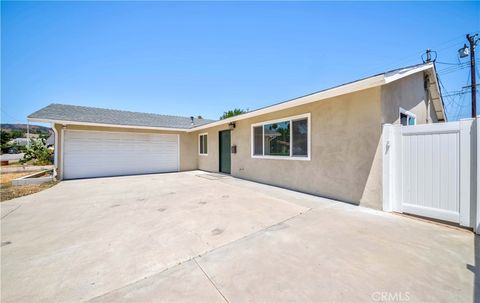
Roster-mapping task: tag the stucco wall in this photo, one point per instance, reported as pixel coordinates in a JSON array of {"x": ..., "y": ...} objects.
[
  {"x": 345, "y": 156},
  {"x": 210, "y": 162},
  {"x": 188, "y": 154},
  {"x": 408, "y": 93}
]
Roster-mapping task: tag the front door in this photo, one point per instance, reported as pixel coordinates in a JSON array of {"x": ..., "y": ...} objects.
[{"x": 225, "y": 156}]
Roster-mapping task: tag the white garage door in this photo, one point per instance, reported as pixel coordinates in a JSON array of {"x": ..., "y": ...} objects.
[{"x": 99, "y": 154}]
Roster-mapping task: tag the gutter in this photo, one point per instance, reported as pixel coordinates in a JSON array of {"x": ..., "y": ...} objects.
[{"x": 64, "y": 122}]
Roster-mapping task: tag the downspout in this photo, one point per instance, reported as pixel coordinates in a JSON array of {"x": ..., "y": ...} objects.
[
  {"x": 62, "y": 140},
  {"x": 55, "y": 151}
]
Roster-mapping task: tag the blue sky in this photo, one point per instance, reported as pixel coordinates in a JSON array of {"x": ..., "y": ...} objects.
[{"x": 202, "y": 58}]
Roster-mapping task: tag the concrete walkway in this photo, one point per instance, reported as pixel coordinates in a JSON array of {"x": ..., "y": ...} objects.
[{"x": 197, "y": 237}]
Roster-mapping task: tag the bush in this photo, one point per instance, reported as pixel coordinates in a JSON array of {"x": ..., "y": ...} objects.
[{"x": 38, "y": 153}]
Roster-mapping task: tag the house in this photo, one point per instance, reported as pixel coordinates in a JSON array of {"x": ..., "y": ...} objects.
[
  {"x": 19, "y": 141},
  {"x": 327, "y": 143},
  {"x": 50, "y": 141}
]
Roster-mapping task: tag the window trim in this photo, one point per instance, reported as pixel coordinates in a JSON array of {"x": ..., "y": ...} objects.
[
  {"x": 289, "y": 119},
  {"x": 199, "y": 139},
  {"x": 407, "y": 113}
]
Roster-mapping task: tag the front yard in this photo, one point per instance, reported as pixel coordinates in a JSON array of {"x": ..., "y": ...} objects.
[{"x": 8, "y": 191}]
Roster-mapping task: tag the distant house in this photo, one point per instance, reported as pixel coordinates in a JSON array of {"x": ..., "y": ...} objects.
[
  {"x": 50, "y": 141},
  {"x": 19, "y": 141}
]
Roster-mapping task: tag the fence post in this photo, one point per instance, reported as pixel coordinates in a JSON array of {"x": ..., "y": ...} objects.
[
  {"x": 475, "y": 159},
  {"x": 467, "y": 183},
  {"x": 387, "y": 148}
]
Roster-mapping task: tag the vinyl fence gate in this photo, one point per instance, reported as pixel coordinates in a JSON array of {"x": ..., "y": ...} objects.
[{"x": 430, "y": 170}]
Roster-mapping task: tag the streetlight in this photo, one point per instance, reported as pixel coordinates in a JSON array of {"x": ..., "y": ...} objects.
[{"x": 463, "y": 52}]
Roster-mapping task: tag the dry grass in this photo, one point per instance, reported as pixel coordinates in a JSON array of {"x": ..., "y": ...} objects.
[
  {"x": 6, "y": 178},
  {"x": 8, "y": 192}
]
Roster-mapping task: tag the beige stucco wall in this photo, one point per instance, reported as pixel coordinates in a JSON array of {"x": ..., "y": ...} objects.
[
  {"x": 210, "y": 162},
  {"x": 345, "y": 157},
  {"x": 408, "y": 93},
  {"x": 188, "y": 149}
]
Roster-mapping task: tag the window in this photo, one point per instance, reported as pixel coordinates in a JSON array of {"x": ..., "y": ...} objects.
[
  {"x": 407, "y": 118},
  {"x": 276, "y": 139},
  {"x": 203, "y": 144},
  {"x": 258, "y": 140},
  {"x": 287, "y": 138}
]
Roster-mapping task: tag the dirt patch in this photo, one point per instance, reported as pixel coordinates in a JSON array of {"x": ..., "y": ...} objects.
[
  {"x": 8, "y": 192},
  {"x": 6, "y": 178}
]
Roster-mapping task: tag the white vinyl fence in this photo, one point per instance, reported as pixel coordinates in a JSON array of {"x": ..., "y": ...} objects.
[{"x": 430, "y": 170}]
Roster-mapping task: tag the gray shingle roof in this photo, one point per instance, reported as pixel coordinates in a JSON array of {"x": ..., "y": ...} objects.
[{"x": 63, "y": 112}]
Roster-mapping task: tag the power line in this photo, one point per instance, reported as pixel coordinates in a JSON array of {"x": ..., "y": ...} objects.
[
  {"x": 453, "y": 42},
  {"x": 462, "y": 105},
  {"x": 454, "y": 68},
  {"x": 447, "y": 63}
]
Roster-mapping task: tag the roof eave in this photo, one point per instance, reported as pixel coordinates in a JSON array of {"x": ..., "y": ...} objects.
[
  {"x": 64, "y": 122},
  {"x": 326, "y": 94},
  {"x": 437, "y": 98}
]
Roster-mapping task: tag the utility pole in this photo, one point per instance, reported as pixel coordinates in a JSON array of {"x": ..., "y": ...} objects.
[{"x": 471, "y": 40}]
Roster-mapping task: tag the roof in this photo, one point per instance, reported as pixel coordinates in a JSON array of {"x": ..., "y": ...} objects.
[
  {"x": 102, "y": 116},
  {"x": 50, "y": 140},
  {"x": 364, "y": 83},
  {"x": 69, "y": 114}
]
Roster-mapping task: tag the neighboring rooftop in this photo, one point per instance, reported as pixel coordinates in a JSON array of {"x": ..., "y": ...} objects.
[{"x": 84, "y": 114}]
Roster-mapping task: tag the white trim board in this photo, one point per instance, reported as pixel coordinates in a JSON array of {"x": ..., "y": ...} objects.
[{"x": 64, "y": 122}]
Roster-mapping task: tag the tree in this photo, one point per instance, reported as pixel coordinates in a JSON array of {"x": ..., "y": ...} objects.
[
  {"x": 6, "y": 136},
  {"x": 17, "y": 134},
  {"x": 234, "y": 112},
  {"x": 38, "y": 153}
]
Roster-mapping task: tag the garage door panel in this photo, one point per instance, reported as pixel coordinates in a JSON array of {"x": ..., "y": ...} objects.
[{"x": 97, "y": 154}]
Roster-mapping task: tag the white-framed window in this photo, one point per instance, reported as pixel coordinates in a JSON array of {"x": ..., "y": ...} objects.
[
  {"x": 287, "y": 138},
  {"x": 203, "y": 144},
  {"x": 407, "y": 118}
]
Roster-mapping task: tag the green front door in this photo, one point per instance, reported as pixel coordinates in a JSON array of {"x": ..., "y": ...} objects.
[{"x": 224, "y": 138}]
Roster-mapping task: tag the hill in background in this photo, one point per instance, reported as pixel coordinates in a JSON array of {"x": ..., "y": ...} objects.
[{"x": 34, "y": 129}]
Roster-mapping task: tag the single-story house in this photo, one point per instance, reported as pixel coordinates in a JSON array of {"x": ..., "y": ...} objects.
[
  {"x": 328, "y": 143},
  {"x": 19, "y": 141},
  {"x": 50, "y": 140}
]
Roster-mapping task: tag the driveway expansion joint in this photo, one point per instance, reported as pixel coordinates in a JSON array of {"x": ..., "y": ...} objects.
[
  {"x": 193, "y": 258},
  {"x": 209, "y": 279},
  {"x": 4, "y": 216}
]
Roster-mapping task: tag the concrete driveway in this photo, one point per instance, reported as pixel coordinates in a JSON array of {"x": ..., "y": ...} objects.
[{"x": 202, "y": 237}]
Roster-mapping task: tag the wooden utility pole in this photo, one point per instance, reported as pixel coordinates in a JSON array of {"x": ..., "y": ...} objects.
[{"x": 471, "y": 40}]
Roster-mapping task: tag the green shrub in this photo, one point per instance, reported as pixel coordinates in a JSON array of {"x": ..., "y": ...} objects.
[{"x": 37, "y": 153}]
